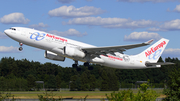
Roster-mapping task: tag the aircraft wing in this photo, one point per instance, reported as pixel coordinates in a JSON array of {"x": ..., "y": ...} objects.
[{"x": 112, "y": 49}]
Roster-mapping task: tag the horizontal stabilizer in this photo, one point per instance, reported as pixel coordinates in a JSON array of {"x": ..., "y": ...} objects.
[{"x": 159, "y": 63}]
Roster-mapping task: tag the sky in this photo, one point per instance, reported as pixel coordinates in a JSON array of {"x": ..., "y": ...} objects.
[{"x": 96, "y": 22}]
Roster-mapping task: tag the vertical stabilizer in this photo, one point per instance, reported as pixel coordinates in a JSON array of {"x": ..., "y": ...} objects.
[{"x": 153, "y": 53}]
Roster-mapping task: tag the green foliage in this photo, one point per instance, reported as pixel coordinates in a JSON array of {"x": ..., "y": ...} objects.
[
  {"x": 7, "y": 96},
  {"x": 173, "y": 90},
  {"x": 58, "y": 81},
  {"x": 54, "y": 76},
  {"x": 92, "y": 82},
  {"x": 84, "y": 82},
  {"x": 104, "y": 84},
  {"x": 109, "y": 80},
  {"x": 48, "y": 97},
  {"x": 144, "y": 87},
  {"x": 145, "y": 94},
  {"x": 13, "y": 84},
  {"x": 127, "y": 95},
  {"x": 31, "y": 81},
  {"x": 51, "y": 83},
  {"x": 73, "y": 83}
]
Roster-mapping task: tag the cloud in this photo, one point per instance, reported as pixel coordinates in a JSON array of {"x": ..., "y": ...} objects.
[
  {"x": 14, "y": 18},
  {"x": 3, "y": 36},
  {"x": 143, "y": 1},
  {"x": 170, "y": 52},
  {"x": 71, "y": 11},
  {"x": 155, "y": 29},
  {"x": 177, "y": 9},
  {"x": 65, "y": 1},
  {"x": 39, "y": 25},
  {"x": 112, "y": 22},
  {"x": 70, "y": 32},
  {"x": 11, "y": 49},
  {"x": 172, "y": 25},
  {"x": 139, "y": 36}
]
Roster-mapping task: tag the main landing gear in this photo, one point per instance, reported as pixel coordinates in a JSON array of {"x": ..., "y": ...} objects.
[
  {"x": 86, "y": 64},
  {"x": 75, "y": 65},
  {"x": 20, "y": 48}
]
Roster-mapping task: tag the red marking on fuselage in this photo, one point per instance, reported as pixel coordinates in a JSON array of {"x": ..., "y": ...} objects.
[
  {"x": 113, "y": 57},
  {"x": 55, "y": 37}
]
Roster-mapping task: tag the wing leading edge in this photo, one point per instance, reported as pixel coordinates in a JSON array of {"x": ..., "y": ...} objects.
[{"x": 112, "y": 49}]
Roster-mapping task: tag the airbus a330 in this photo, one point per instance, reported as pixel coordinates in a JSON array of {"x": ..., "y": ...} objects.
[{"x": 58, "y": 48}]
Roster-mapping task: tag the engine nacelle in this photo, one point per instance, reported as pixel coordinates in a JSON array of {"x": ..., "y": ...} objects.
[
  {"x": 53, "y": 56},
  {"x": 74, "y": 52}
]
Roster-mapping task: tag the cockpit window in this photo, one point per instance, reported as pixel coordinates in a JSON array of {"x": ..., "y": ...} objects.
[{"x": 12, "y": 28}]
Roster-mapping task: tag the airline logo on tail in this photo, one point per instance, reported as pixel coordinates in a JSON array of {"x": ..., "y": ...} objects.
[{"x": 154, "y": 50}]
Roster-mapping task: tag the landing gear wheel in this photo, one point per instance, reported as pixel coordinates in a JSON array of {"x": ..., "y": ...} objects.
[
  {"x": 75, "y": 66},
  {"x": 20, "y": 48}
]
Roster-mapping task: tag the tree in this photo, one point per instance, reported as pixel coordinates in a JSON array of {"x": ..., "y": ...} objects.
[
  {"x": 31, "y": 81},
  {"x": 51, "y": 83},
  {"x": 113, "y": 84},
  {"x": 92, "y": 82},
  {"x": 3, "y": 83},
  {"x": 84, "y": 82},
  {"x": 72, "y": 82},
  {"x": 104, "y": 84},
  {"x": 173, "y": 90},
  {"x": 58, "y": 81},
  {"x": 127, "y": 95}
]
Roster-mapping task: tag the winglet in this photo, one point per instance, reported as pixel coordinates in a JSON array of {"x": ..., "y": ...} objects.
[{"x": 149, "y": 42}]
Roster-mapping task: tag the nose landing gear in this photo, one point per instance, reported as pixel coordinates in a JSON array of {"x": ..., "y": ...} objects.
[{"x": 20, "y": 48}]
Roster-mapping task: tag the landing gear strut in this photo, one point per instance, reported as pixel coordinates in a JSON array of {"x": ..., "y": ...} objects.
[
  {"x": 20, "y": 48},
  {"x": 86, "y": 64}
]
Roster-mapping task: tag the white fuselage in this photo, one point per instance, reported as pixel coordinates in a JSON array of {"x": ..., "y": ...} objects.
[{"x": 56, "y": 44}]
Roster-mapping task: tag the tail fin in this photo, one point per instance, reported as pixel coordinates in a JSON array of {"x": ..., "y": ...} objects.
[{"x": 153, "y": 53}]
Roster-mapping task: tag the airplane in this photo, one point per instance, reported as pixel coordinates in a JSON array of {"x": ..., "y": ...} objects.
[{"x": 58, "y": 48}]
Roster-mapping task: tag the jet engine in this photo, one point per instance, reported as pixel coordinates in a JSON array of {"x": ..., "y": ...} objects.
[
  {"x": 74, "y": 52},
  {"x": 53, "y": 56}
]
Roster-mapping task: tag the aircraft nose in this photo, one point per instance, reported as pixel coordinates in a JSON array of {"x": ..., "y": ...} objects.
[{"x": 7, "y": 31}]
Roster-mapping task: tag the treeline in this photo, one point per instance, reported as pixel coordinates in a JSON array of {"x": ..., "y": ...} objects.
[{"x": 22, "y": 74}]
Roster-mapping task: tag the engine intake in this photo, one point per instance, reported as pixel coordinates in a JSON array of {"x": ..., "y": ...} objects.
[
  {"x": 53, "y": 56},
  {"x": 74, "y": 52}
]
